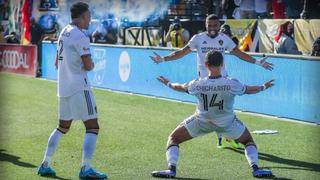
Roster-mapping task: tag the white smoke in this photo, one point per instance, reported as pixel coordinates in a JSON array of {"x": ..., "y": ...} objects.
[
  {"x": 134, "y": 10},
  {"x": 122, "y": 10}
]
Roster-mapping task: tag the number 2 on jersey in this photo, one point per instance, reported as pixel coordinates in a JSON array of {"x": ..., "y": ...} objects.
[
  {"x": 212, "y": 102},
  {"x": 60, "y": 50}
]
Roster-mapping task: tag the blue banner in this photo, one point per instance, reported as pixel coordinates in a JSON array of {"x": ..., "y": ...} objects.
[{"x": 130, "y": 69}]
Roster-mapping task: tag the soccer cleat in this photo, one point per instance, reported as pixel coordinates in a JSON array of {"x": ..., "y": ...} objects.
[
  {"x": 262, "y": 173},
  {"x": 91, "y": 174},
  {"x": 46, "y": 171},
  {"x": 233, "y": 143},
  {"x": 164, "y": 174}
]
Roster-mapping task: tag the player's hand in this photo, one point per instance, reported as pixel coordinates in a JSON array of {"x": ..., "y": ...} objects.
[
  {"x": 156, "y": 58},
  {"x": 56, "y": 64},
  {"x": 163, "y": 80},
  {"x": 263, "y": 62},
  {"x": 268, "y": 84}
]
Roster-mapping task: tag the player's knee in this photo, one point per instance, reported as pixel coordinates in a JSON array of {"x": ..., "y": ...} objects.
[
  {"x": 173, "y": 140},
  {"x": 63, "y": 129},
  {"x": 93, "y": 130}
]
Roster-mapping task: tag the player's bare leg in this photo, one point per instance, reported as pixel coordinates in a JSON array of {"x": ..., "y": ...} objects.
[
  {"x": 251, "y": 153},
  {"x": 45, "y": 168},
  {"x": 178, "y": 136}
]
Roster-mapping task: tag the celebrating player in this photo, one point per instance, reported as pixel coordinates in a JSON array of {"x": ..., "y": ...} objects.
[
  {"x": 76, "y": 100},
  {"x": 211, "y": 40},
  {"x": 215, "y": 94}
]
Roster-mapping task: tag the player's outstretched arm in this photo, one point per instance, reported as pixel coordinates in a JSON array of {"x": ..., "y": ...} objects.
[
  {"x": 173, "y": 56},
  {"x": 175, "y": 86},
  {"x": 256, "y": 89},
  {"x": 246, "y": 57}
]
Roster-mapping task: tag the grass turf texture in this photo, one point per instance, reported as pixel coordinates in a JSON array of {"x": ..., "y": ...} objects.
[{"x": 132, "y": 138}]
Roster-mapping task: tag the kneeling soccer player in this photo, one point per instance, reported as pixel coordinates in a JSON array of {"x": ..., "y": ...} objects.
[{"x": 214, "y": 112}]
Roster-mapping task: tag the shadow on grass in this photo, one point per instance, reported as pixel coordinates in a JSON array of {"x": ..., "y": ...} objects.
[
  {"x": 55, "y": 177},
  {"x": 14, "y": 159},
  {"x": 302, "y": 165},
  {"x": 181, "y": 178},
  {"x": 184, "y": 178}
]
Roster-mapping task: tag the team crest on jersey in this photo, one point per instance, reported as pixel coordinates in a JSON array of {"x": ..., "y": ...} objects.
[
  {"x": 204, "y": 42},
  {"x": 220, "y": 42}
]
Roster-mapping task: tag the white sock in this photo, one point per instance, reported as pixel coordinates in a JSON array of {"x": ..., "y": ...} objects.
[
  {"x": 172, "y": 155},
  {"x": 251, "y": 153},
  {"x": 89, "y": 145},
  {"x": 51, "y": 147}
]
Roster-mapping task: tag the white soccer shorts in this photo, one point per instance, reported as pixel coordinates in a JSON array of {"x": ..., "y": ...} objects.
[
  {"x": 197, "y": 127},
  {"x": 80, "y": 106}
]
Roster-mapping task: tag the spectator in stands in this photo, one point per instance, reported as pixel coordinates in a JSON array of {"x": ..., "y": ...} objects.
[
  {"x": 106, "y": 33},
  {"x": 225, "y": 29},
  {"x": 37, "y": 35},
  {"x": 36, "y": 32},
  {"x": 311, "y": 9},
  {"x": 2, "y": 39},
  {"x": 247, "y": 9},
  {"x": 316, "y": 47},
  {"x": 293, "y": 8},
  {"x": 278, "y": 8},
  {"x": 261, "y": 8},
  {"x": 217, "y": 8},
  {"x": 12, "y": 38},
  {"x": 177, "y": 35},
  {"x": 228, "y": 7},
  {"x": 284, "y": 42}
]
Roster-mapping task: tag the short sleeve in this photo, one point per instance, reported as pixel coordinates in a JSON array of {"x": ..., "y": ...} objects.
[
  {"x": 192, "y": 87},
  {"x": 82, "y": 45},
  {"x": 237, "y": 88},
  {"x": 192, "y": 44},
  {"x": 230, "y": 45}
]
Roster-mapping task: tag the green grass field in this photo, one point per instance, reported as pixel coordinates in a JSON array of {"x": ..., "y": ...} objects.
[{"x": 133, "y": 133}]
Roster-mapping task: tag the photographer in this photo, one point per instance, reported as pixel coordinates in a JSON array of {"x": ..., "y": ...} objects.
[{"x": 177, "y": 36}]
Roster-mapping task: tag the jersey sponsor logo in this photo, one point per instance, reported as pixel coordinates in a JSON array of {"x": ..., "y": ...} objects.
[
  {"x": 100, "y": 59},
  {"x": 220, "y": 42},
  {"x": 209, "y": 48},
  {"x": 124, "y": 66},
  {"x": 204, "y": 42}
]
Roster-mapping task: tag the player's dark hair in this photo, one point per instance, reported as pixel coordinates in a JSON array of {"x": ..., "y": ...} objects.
[
  {"x": 77, "y": 9},
  {"x": 212, "y": 17},
  {"x": 214, "y": 58}
]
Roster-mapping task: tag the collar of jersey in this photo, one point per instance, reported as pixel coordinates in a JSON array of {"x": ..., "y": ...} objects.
[
  {"x": 214, "y": 77},
  {"x": 212, "y": 37}
]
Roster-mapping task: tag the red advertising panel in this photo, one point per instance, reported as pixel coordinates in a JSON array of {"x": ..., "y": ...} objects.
[{"x": 18, "y": 59}]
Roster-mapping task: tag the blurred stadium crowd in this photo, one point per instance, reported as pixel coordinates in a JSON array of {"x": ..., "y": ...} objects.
[{"x": 267, "y": 26}]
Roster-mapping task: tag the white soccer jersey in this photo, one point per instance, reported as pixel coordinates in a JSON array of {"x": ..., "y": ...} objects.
[
  {"x": 216, "y": 98},
  {"x": 202, "y": 43},
  {"x": 72, "y": 77}
]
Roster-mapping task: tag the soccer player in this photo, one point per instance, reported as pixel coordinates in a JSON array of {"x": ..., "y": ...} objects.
[
  {"x": 215, "y": 94},
  {"x": 211, "y": 40},
  {"x": 76, "y": 100}
]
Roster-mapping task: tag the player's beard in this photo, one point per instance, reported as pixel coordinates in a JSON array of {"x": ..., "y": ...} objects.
[{"x": 212, "y": 33}]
